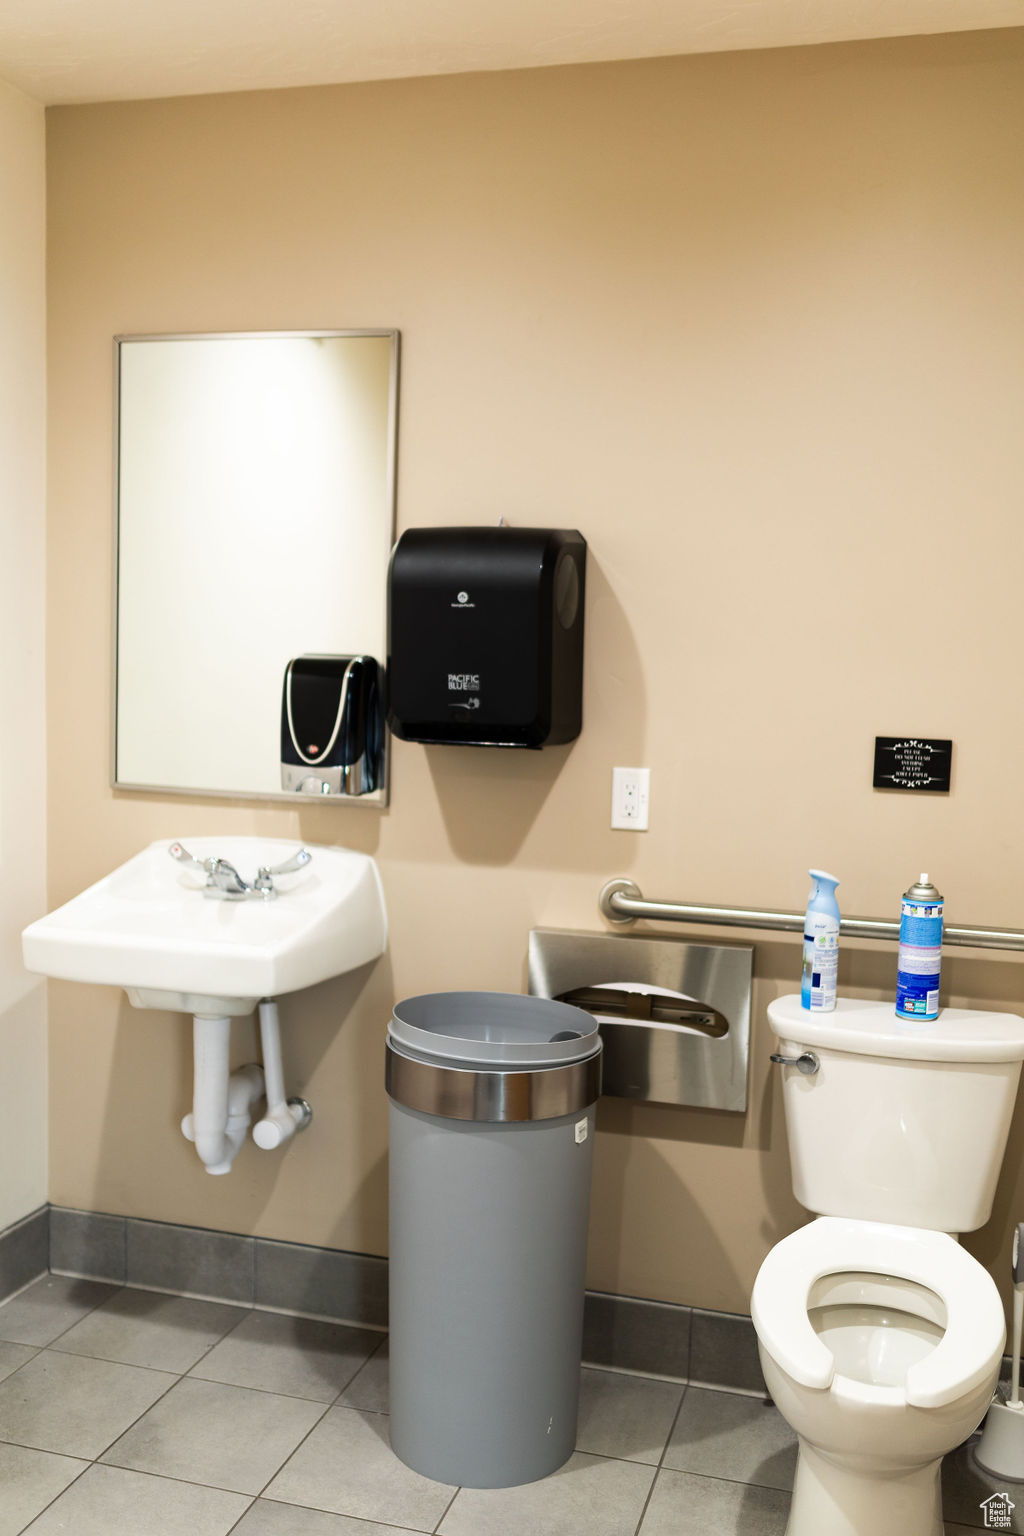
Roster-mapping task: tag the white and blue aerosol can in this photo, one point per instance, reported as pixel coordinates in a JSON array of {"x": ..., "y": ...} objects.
[
  {"x": 920, "y": 958},
  {"x": 821, "y": 944}
]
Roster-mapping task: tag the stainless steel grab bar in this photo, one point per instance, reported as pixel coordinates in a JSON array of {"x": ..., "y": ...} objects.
[{"x": 622, "y": 902}]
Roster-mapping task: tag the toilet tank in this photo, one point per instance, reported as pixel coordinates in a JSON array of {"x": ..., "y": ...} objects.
[{"x": 903, "y": 1122}]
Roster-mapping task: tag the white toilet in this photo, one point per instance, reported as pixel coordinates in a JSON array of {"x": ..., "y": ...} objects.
[{"x": 880, "y": 1337}]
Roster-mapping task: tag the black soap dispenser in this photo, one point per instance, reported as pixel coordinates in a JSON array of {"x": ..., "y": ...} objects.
[{"x": 332, "y": 726}]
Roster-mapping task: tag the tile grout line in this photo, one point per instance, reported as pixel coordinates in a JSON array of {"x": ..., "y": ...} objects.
[
  {"x": 625, "y": 1370},
  {"x": 661, "y": 1459},
  {"x": 447, "y": 1509},
  {"x": 295, "y": 1397},
  {"x": 246, "y": 1313},
  {"x": 672, "y": 1429},
  {"x": 49, "y": 1505},
  {"x": 310, "y": 1317},
  {"x": 142, "y": 1415},
  {"x": 87, "y": 1313},
  {"x": 184, "y": 1482},
  {"x": 254, "y": 1498},
  {"x": 168, "y": 1290},
  {"x": 336, "y": 1400},
  {"x": 295, "y": 1448},
  {"x": 291, "y": 1397},
  {"x": 37, "y": 1349}
]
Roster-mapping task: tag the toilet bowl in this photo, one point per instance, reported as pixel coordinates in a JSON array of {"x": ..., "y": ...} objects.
[
  {"x": 880, "y": 1345},
  {"x": 880, "y": 1337}
]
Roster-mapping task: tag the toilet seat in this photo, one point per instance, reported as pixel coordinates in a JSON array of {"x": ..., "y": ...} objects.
[{"x": 975, "y": 1330}]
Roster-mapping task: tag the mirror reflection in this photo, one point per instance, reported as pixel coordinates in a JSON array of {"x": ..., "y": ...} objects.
[{"x": 255, "y": 518}]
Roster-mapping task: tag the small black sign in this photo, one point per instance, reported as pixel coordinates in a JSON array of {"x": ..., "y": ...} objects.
[{"x": 912, "y": 762}]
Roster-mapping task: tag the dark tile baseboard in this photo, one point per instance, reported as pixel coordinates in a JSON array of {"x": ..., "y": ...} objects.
[
  {"x": 87, "y": 1243},
  {"x": 24, "y": 1251},
  {"x": 723, "y": 1353},
  {"x": 625, "y": 1333},
  {"x": 220, "y": 1266}
]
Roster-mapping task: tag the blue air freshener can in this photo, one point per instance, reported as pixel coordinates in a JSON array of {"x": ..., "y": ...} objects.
[{"x": 920, "y": 959}]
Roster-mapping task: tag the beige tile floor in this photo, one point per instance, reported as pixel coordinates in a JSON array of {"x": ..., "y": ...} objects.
[{"x": 133, "y": 1413}]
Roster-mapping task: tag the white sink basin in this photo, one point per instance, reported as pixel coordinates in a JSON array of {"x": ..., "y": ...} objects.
[{"x": 148, "y": 927}]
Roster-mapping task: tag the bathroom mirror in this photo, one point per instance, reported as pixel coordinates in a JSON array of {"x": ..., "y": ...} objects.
[{"x": 254, "y": 522}]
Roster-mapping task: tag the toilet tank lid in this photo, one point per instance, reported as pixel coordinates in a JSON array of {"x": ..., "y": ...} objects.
[{"x": 873, "y": 1029}]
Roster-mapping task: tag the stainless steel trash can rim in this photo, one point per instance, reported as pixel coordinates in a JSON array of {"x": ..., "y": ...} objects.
[
  {"x": 493, "y": 1030},
  {"x": 466, "y": 1091}
]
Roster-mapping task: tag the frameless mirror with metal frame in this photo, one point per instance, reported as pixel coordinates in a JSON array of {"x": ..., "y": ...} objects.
[{"x": 255, "y": 496}]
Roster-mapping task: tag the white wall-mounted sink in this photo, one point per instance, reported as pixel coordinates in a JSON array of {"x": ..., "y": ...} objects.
[{"x": 148, "y": 927}]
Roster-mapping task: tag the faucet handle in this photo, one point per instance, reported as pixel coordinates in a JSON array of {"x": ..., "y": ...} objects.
[
  {"x": 299, "y": 859},
  {"x": 264, "y": 882},
  {"x": 180, "y": 852}
]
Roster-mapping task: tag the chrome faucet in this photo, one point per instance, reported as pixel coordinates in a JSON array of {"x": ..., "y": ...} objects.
[
  {"x": 224, "y": 878},
  {"x": 224, "y": 883}
]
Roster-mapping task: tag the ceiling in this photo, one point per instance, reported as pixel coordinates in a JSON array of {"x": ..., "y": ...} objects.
[{"x": 101, "y": 50}]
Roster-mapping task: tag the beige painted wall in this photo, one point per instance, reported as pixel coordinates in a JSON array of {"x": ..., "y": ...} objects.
[
  {"x": 23, "y": 1095},
  {"x": 754, "y": 323}
]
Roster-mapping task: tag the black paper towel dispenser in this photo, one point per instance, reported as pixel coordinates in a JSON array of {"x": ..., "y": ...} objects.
[{"x": 485, "y": 636}]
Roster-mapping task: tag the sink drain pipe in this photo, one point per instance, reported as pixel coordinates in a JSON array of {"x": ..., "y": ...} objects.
[
  {"x": 283, "y": 1117},
  {"x": 222, "y": 1100}
]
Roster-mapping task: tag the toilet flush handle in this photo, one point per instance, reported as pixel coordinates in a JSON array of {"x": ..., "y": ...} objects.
[{"x": 808, "y": 1063}]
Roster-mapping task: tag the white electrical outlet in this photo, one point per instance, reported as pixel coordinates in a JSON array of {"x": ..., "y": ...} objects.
[{"x": 631, "y": 793}]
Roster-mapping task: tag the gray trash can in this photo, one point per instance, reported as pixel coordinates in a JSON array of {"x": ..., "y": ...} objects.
[{"x": 492, "y": 1135}]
